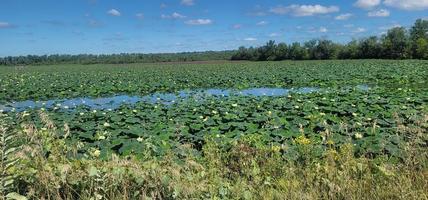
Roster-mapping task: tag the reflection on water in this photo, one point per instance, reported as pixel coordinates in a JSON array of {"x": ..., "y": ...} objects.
[{"x": 165, "y": 98}]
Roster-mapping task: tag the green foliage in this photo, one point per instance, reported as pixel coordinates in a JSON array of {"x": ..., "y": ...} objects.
[
  {"x": 145, "y": 129},
  {"x": 116, "y": 58},
  {"x": 247, "y": 169},
  {"x": 8, "y": 160},
  {"x": 395, "y": 44}
]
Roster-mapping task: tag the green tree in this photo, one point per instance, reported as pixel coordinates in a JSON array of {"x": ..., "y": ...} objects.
[
  {"x": 369, "y": 48},
  {"x": 281, "y": 52},
  {"x": 421, "y": 50},
  {"x": 418, "y": 36},
  {"x": 396, "y": 43},
  {"x": 297, "y": 52}
]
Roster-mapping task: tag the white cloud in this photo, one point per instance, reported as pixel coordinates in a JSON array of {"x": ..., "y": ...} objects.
[
  {"x": 345, "y": 16},
  {"x": 359, "y": 30},
  {"x": 323, "y": 30},
  {"x": 389, "y": 27},
  {"x": 163, "y": 5},
  {"x": 250, "y": 39},
  {"x": 262, "y": 23},
  {"x": 140, "y": 15},
  {"x": 274, "y": 35},
  {"x": 304, "y": 10},
  {"x": 5, "y": 25},
  {"x": 188, "y": 2},
  {"x": 199, "y": 22},
  {"x": 367, "y": 4},
  {"x": 174, "y": 15},
  {"x": 408, "y": 4},
  {"x": 379, "y": 13},
  {"x": 348, "y": 25},
  {"x": 114, "y": 12}
]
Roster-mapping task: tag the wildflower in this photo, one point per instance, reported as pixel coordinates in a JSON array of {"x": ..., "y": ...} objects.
[
  {"x": 358, "y": 135},
  {"x": 66, "y": 107},
  {"x": 97, "y": 153},
  {"x": 94, "y": 111},
  {"x": 214, "y": 112},
  {"x": 296, "y": 107},
  {"x": 106, "y": 124},
  {"x": 81, "y": 114},
  {"x": 156, "y": 107},
  {"x": 354, "y": 114},
  {"x": 25, "y": 114},
  {"x": 316, "y": 108},
  {"x": 140, "y": 139},
  {"x": 206, "y": 119},
  {"x": 44, "y": 129},
  {"x": 201, "y": 117},
  {"x": 101, "y": 137},
  {"x": 134, "y": 111},
  {"x": 42, "y": 109},
  {"x": 194, "y": 109},
  {"x": 276, "y": 148},
  {"x": 302, "y": 140},
  {"x": 270, "y": 113},
  {"x": 104, "y": 113},
  {"x": 235, "y": 105}
]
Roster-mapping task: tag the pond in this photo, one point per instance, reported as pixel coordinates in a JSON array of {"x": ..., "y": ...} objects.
[{"x": 164, "y": 98}]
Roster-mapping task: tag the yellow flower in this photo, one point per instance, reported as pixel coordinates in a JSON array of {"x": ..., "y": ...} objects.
[
  {"x": 276, "y": 148},
  {"x": 302, "y": 140}
]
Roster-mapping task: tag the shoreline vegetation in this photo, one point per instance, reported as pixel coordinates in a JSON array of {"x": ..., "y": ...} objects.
[
  {"x": 396, "y": 43},
  {"x": 246, "y": 169},
  {"x": 342, "y": 143}
]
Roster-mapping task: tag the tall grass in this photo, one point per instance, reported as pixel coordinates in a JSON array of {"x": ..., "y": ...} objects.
[{"x": 246, "y": 170}]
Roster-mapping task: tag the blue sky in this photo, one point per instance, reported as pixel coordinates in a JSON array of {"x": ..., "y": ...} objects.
[{"x": 151, "y": 26}]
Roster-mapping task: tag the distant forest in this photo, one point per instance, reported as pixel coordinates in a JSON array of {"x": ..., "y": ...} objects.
[{"x": 397, "y": 43}]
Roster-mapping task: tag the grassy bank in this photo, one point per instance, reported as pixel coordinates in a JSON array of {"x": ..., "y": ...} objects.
[{"x": 244, "y": 169}]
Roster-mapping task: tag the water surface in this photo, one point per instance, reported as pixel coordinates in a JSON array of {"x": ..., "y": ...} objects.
[{"x": 164, "y": 98}]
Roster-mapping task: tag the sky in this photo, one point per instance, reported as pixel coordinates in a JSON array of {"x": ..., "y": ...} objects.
[{"x": 40, "y": 27}]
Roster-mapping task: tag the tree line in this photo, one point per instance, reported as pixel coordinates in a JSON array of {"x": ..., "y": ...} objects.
[
  {"x": 116, "y": 58},
  {"x": 397, "y": 43}
]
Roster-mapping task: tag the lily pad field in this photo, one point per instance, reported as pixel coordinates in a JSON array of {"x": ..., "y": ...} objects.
[{"x": 229, "y": 128}]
